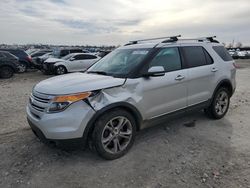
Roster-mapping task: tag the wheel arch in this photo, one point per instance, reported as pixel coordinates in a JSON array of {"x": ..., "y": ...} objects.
[
  {"x": 121, "y": 105},
  {"x": 224, "y": 83}
]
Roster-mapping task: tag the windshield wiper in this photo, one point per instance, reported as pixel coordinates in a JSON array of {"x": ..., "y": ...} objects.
[{"x": 98, "y": 72}]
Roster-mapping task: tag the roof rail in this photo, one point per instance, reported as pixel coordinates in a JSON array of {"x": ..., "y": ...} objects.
[
  {"x": 202, "y": 39},
  {"x": 169, "y": 38}
]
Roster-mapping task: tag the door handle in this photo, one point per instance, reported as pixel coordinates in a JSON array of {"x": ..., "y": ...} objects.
[
  {"x": 214, "y": 69},
  {"x": 179, "y": 78}
]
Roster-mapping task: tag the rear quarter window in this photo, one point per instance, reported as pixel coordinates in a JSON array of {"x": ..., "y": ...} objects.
[
  {"x": 223, "y": 53},
  {"x": 194, "y": 56}
]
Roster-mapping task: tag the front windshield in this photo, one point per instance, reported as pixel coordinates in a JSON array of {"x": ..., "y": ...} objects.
[
  {"x": 119, "y": 62},
  {"x": 67, "y": 56}
]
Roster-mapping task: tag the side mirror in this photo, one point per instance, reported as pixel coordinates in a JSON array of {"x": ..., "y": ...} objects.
[
  {"x": 72, "y": 59},
  {"x": 156, "y": 71}
]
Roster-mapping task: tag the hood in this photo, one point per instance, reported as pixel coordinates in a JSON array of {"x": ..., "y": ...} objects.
[
  {"x": 53, "y": 60},
  {"x": 76, "y": 83}
]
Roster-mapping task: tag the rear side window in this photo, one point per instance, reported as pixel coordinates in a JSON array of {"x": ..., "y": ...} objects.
[
  {"x": 168, "y": 58},
  {"x": 223, "y": 53},
  {"x": 196, "y": 56},
  {"x": 209, "y": 59}
]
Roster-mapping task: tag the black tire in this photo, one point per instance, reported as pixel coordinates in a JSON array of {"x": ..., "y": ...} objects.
[
  {"x": 101, "y": 131},
  {"x": 22, "y": 68},
  {"x": 59, "y": 70},
  {"x": 6, "y": 72},
  {"x": 213, "y": 111}
]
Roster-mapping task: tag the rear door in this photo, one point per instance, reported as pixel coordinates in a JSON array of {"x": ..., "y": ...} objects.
[
  {"x": 81, "y": 62},
  {"x": 85, "y": 61},
  {"x": 200, "y": 72}
]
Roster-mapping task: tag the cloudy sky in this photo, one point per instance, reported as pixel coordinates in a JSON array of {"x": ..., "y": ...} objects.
[{"x": 118, "y": 21}]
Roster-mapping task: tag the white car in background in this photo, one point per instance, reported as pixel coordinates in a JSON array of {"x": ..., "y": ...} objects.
[{"x": 74, "y": 62}]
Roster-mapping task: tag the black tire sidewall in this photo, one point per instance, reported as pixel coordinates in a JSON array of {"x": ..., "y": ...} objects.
[
  {"x": 99, "y": 126},
  {"x": 213, "y": 111},
  {"x": 6, "y": 68}
]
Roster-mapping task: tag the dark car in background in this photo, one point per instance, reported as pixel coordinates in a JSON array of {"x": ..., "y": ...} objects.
[
  {"x": 61, "y": 52},
  {"x": 9, "y": 64},
  {"x": 38, "y": 61},
  {"x": 24, "y": 59},
  {"x": 103, "y": 53},
  {"x": 36, "y": 57},
  {"x": 39, "y": 53}
]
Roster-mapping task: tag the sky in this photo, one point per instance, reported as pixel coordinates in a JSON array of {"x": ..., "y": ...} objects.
[{"x": 114, "y": 22}]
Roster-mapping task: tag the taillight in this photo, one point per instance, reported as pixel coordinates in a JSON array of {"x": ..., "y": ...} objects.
[
  {"x": 235, "y": 66},
  {"x": 29, "y": 58}
]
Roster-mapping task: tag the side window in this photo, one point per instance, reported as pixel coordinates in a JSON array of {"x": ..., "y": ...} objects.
[
  {"x": 223, "y": 53},
  {"x": 75, "y": 51},
  {"x": 194, "y": 56},
  {"x": 209, "y": 59},
  {"x": 64, "y": 52},
  {"x": 169, "y": 58},
  {"x": 90, "y": 57},
  {"x": 78, "y": 57}
]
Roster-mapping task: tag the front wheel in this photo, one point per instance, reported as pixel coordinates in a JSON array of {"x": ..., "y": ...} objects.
[
  {"x": 60, "y": 70},
  {"x": 220, "y": 104},
  {"x": 114, "y": 134}
]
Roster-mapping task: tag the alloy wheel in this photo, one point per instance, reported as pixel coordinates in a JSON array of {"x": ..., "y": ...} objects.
[
  {"x": 116, "y": 135},
  {"x": 221, "y": 103},
  {"x": 60, "y": 70}
]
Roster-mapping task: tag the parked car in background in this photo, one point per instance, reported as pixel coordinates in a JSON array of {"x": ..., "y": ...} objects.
[
  {"x": 24, "y": 59},
  {"x": 242, "y": 54},
  {"x": 9, "y": 64},
  {"x": 103, "y": 53},
  {"x": 61, "y": 52},
  {"x": 31, "y": 50},
  {"x": 71, "y": 63},
  {"x": 36, "y": 55},
  {"x": 233, "y": 53},
  {"x": 39, "y": 53},
  {"x": 38, "y": 61}
]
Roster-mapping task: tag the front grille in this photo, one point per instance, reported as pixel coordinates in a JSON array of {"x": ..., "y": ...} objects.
[{"x": 39, "y": 101}]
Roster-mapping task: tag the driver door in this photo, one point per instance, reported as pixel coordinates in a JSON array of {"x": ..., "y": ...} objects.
[{"x": 167, "y": 93}]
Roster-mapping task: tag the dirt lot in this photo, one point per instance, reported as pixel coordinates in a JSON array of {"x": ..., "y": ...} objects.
[{"x": 209, "y": 154}]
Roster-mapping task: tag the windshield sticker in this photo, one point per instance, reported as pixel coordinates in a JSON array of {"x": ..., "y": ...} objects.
[{"x": 140, "y": 52}]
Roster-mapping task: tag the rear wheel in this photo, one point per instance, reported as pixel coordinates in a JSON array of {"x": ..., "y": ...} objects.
[
  {"x": 114, "y": 134},
  {"x": 6, "y": 72},
  {"x": 220, "y": 104},
  {"x": 22, "y": 67},
  {"x": 61, "y": 70}
]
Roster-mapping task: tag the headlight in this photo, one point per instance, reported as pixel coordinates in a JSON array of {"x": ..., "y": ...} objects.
[{"x": 60, "y": 103}]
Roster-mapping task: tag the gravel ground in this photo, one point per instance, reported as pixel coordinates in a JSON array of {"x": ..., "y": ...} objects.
[{"x": 205, "y": 154}]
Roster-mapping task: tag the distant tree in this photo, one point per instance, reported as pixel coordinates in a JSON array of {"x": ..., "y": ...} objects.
[
  {"x": 230, "y": 45},
  {"x": 238, "y": 45}
]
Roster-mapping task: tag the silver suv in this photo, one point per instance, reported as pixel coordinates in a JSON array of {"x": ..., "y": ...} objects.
[{"x": 140, "y": 84}]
